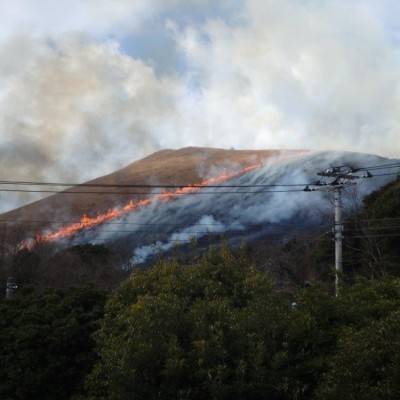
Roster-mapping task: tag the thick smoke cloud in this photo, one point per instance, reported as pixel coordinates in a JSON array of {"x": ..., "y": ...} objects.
[
  {"x": 267, "y": 213},
  {"x": 320, "y": 75},
  {"x": 78, "y": 110},
  {"x": 205, "y": 225},
  {"x": 79, "y": 99}
]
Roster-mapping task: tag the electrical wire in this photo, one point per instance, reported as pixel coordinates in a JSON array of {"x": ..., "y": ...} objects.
[
  {"x": 374, "y": 228},
  {"x": 374, "y": 236},
  {"x": 213, "y": 234},
  {"x": 100, "y": 185},
  {"x": 198, "y": 189},
  {"x": 154, "y": 193},
  {"x": 383, "y": 166},
  {"x": 375, "y": 219},
  {"x": 169, "y": 240},
  {"x": 63, "y": 222},
  {"x": 283, "y": 224},
  {"x": 176, "y": 186},
  {"x": 392, "y": 173}
]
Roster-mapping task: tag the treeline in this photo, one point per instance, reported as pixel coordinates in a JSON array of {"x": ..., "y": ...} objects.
[
  {"x": 48, "y": 265},
  {"x": 217, "y": 328},
  {"x": 46, "y": 343},
  {"x": 221, "y": 324}
]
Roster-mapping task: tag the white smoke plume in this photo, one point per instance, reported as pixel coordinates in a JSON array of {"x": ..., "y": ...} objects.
[
  {"x": 87, "y": 86},
  {"x": 260, "y": 211},
  {"x": 270, "y": 212},
  {"x": 206, "y": 225}
]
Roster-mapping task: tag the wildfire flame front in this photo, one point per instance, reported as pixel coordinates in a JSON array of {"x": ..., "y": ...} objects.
[{"x": 87, "y": 223}]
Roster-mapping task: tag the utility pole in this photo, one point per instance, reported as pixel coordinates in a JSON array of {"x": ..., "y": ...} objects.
[
  {"x": 338, "y": 237},
  {"x": 343, "y": 176}
]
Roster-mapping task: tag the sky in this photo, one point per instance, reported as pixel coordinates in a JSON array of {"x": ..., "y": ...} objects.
[{"x": 89, "y": 86}]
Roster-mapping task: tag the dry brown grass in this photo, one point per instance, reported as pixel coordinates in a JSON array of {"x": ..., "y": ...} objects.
[{"x": 167, "y": 167}]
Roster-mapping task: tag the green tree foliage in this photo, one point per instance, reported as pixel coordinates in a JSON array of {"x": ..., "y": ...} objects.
[
  {"x": 216, "y": 329},
  {"x": 308, "y": 343},
  {"x": 206, "y": 330},
  {"x": 372, "y": 245},
  {"x": 366, "y": 363},
  {"x": 26, "y": 266},
  {"x": 322, "y": 323},
  {"x": 82, "y": 264},
  {"x": 91, "y": 254},
  {"x": 385, "y": 202},
  {"x": 214, "y": 326},
  {"x": 48, "y": 266},
  {"x": 45, "y": 342}
]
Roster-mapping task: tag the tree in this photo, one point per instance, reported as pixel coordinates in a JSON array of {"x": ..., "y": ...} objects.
[
  {"x": 364, "y": 361},
  {"x": 372, "y": 241},
  {"x": 366, "y": 364},
  {"x": 26, "y": 267},
  {"x": 321, "y": 323},
  {"x": 217, "y": 328},
  {"x": 209, "y": 329},
  {"x": 83, "y": 264},
  {"x": 46, "y": 347},
  {"x": 309, "y": 341}
]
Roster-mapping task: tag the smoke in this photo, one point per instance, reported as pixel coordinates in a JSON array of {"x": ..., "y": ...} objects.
[
  {"x": 269, "y": 213},
  {"x": 78, "y": 110},
  {"x": 242, "y": 213},
  {"x": 319, "y": 75},
  {"x": 206, "y": 225},
  {"x": 87, "y": 87},
  {"x": 97, "y": 17}
]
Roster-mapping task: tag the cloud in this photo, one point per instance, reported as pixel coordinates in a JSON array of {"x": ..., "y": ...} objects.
[
  {"x": 77, "y": 109},
  {"x": 101, "y": 18},
  {"x": 94, "y": 17},
  {"x": 76, "y": 104},
  {"x": 296, "y": 74}
]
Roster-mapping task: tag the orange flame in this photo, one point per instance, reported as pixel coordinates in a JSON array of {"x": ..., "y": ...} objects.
[{"x": 87, "y": 223}]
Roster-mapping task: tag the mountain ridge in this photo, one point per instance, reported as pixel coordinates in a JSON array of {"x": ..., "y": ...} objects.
[
  {"x": 259, "y": 204},
  {"x": 185, "y": 166}
]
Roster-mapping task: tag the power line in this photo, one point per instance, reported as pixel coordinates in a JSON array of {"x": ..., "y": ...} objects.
[
  {"x": 371, "y": 228},
  {"x": 170, "y": 240},
  {"x": 63, "y": 222},
  {"x": 374, "y": 236},
  {"x": 198, "y": 189},
  {"x": 374, "y": 219},
  {"x": 175, "y": 186},
  {"x": 162, "y": 224},
  {"x": 392, "y": 165},
  {"x": 341, "y": 177},
  {"x": 392, "y": 173},
  {"x": 192, "y": 236},
  {"x": 342, "y": 174},
  {"x": 158, "y": 193}
]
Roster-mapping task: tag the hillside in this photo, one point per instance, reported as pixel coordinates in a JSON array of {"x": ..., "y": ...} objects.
[
  {"x": 265, "y": 207},
  {"x": 166, "y": 167},
  {"x": 266, "y": 203}
]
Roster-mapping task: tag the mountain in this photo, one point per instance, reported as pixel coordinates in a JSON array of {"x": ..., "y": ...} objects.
[
  {"x": 166, "y": 167},
  {"x": 265, "y": 202}
]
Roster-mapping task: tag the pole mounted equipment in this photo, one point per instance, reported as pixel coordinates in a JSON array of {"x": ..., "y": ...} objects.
[{"x": 343, "y": 176}]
